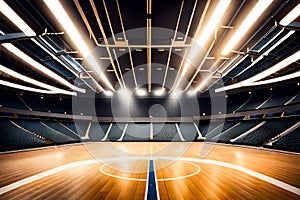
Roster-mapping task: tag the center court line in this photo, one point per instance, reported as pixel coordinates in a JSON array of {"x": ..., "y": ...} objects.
[
  {"x": 159, "y": 179},
  {"x": 258, "y": 175},
  {"x": 152, "y": 192}
]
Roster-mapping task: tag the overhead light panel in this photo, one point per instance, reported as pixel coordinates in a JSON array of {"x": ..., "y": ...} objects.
[
  {"x": 276, "y": 80},
  {"x": 141, "y": 92},
  {"x": 284, "y": 63},
  {"x": 108, "y": 93},
  {"x": 213, "y": 21},
  {"x": 40, "y": 67},
  {"x": 159, "y": 92},
  {"x": 32, "y": 81},
  {"x": 291, "y": 16},
  {"x": 251, "y": 18},
  {"x": 63, "y": 18},
  {"x": 22, "y": 87},
  {"x": 11, "y": 15}
]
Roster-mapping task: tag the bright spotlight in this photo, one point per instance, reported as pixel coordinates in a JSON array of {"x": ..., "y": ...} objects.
[
  {"x": 124, "y": 92},
  {"x": 159, "y": 92},
  {"x": 176, "y": 93},
  {"x": 108, "y": 93},
  {"x": 141, "y": 92},
  {"x": 191, "y": 93}
]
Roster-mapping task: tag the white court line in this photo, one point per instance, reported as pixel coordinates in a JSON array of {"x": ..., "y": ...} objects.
[
  {"x": 43, "y": 175},
  {"x": 260, "y": 176},
  {"x": 143, "y": 179},
  {"x": 147, "y": 182},
  {"x": 156, "y": 183}
]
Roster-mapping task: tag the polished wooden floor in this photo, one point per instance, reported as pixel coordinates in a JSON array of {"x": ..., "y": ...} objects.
[{"x": 121, "y": 172}]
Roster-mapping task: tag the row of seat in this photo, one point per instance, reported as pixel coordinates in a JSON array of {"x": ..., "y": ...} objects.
[{"x": 246, "y": 132}]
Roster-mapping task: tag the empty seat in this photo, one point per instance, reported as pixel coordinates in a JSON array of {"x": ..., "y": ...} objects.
[
  {"x": 235, "y": 131},
  {"x": 165, "y": 132},
  {"x": 62, "y": 129},
  {"x": 45, "y": 131},
  {"x": 12, "y": 137},
  {"x": 116, "y": 131},
  {"x": 214, "y": 133},
  {"x": 188, "y": 131},
  {"x": 98, "y": 130},
  {"x": 78, "y": 126},
  {"x": 137, "y": 132},
  {"x": 256, "y": 100},
  {"x": 290, "y": 141},
  {"x": 270, "y": 129}
]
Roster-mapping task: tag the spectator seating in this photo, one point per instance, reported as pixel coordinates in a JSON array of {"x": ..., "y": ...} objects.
[
  {"x": 58, "y": 127},
  {"x": 270, "y": 129},
  {"x": 45, "y": 131},
  {"x": 34, "y": 102},
  {"x": 165, "y": 132},
  {"x": 256, "y": 100},
  {"x": 116, "y": 131},
  {"x": 98, "y": 130},
  {"x": 216, "y": 131},
  {"x": 207, "y": 126},
  {"x": 289, "y": 142},
  {"x": 188, "y": 131},
  {"x": 137, "y": 132},
  {"x": 13, "y": 138},
  {"x": 11, "y": 100},
  {"x": 235, "y": 131},
  {"x": 234, "y": 101},
  {"x": 78, "y": 126},
  {"x": 280, "y": 97},
  {"x": 296, "y": 100}
]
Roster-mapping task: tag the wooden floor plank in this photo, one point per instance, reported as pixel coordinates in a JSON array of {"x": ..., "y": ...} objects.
[{"x": 87, "y": 182}]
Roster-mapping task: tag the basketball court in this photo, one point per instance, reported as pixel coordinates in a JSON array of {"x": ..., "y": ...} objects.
[{"x": 150, "y": 171}]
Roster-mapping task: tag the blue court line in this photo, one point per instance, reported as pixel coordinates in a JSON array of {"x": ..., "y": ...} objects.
[{"x": 152, "y": 193}]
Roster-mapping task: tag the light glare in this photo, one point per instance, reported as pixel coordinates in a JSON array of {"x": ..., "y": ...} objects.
[
  {"x": 291, "y": 16},
  {"x": 63, "y": 18},
  {"x": 11, "y": 15},
  {"x": 159, "y": 92},
  {"x": 213, "y": 21},
  {"x": 141, "y": 92},
  {"x": 251, "y": 18}
]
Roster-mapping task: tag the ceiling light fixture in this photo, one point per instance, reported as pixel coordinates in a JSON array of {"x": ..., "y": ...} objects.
[
  {"x": 10, "y": 14},
  {"x": 32, "y": 81},
  {"x": 19, "y": 22},
  {"x": 141, "y": 92},
  {"x": 278, "y": 79},
  {"x": 58, "y": 11},
  {"x": 278, "y": 66},
  {"x": 63, "y": 18},
  {"x": 251, "y": 18},
  {"x": 291, "y": 16},
  {"x": 22, "y": 87},
  {"x": 108, "y": 93},
  {"x": 159, "y": 92},
  {"x": 213, "y": 21},
  {"x": 40, "y": 67},
  {"x": 267, "y": 52}
]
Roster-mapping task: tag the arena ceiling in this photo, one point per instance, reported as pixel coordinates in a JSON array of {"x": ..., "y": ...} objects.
[{"x": 151, "y": 47}]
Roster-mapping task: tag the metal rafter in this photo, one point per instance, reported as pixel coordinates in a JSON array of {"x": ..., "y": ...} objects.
[
  {"x": 105, "y": 39},
  {"x": 186, "y": 52},
  {"x": 172, "y": 42},
  {"x": 128, "y": 46},
  {"x": 149, "y": 38}
]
